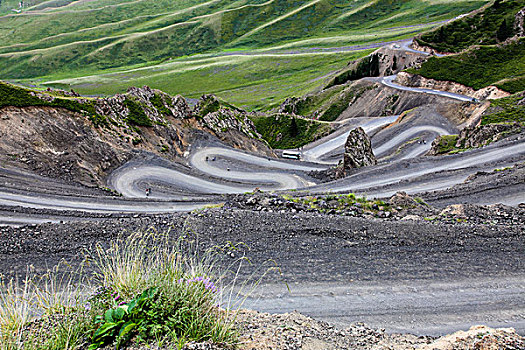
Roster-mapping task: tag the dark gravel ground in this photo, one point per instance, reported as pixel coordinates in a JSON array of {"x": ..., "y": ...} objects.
[{"x": 309, "y": 247}]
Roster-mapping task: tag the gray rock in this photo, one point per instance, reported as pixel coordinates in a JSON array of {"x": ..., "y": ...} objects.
[{"x": 358, "y": 152}]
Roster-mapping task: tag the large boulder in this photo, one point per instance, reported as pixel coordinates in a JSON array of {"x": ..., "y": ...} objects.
[{"x": 358, "y": 152}]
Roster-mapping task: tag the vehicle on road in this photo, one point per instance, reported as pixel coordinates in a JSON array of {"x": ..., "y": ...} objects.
[{"x": 291, "y": 155}]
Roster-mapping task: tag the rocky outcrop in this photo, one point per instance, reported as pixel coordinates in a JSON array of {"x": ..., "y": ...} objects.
[
  {"x": 413, "y": 80},
  {"x": 154, "y": 103},
  {"x": 385, "y": 61},
  {"x": 82, "y": 140},
  {"x": 429, "y": 50},
  {"x": 230, "y": 124},
  {"x": 519, "y": 23},
  {"x": 358, "y": 152},
  {"x": 482, "y": 135},
  {"x": 56, "y": 143},
  {"x": 289, "y": 106},
  {"x": 393, "y": 61}
]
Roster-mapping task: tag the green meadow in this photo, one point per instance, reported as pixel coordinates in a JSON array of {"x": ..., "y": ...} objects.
[{"x": 252, "y": 52}]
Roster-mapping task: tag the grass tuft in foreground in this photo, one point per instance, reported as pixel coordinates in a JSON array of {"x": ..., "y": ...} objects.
[{"x": 146, "y": 290}]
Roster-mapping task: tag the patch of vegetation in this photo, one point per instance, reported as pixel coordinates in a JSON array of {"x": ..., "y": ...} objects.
[
  {"x": 446, "y": 143},
  {"x": 208, "y": 105},
  {"x": 136, "y": 115},
  {"x": 497, "y": 170},
  {"x": 420, "y": 201},
  {"x": 115, "y": 47},
  {"x": 147, "y": 291},
  {"x": 342, "y": 102},
  {"x": 488, "y": 27},
  {"x": 480, "y": 66},
  {"x": 99, "y": 120},
  {"x": 338, "y": 202},
  {"x": 506, "y": 110},
  {"x": 283, "y": 131},
  {"x": 512, "y": 85},
  {"x": 11, "y": 95},
  {"x": 367, "y": 67},
  {"x": 158, "y": 102}
]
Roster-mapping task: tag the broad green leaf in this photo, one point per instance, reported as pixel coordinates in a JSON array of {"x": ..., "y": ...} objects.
[{"x": 126, "y": 329}]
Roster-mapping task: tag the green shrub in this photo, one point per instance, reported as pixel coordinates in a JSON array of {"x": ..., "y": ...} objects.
[
  {"x": 99, "y": 120},
  {"x": 149, "y": 289},
  {"x": 446, "y": 143},
  {"x": 158, "y": 102}
]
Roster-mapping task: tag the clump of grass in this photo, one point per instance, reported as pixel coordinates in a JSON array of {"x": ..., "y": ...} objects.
[
  {"x": 136, "y": 115},
  {"x": 146, "y": 289},
  {"x": 15, "y": 312},
  {"x": 446, "y": 143}
]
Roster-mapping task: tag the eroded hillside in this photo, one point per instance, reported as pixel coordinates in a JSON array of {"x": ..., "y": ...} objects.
[{"x": 63, "y": 135}]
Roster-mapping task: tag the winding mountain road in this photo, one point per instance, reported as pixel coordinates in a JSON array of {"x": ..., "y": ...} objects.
[
  {"x": 238, "y": 172},
  {"x": 415, "y": 306},
  {"x": 407, "y": 135}
]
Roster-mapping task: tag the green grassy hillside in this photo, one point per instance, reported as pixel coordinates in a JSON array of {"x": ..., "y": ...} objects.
[
  {"x": 491, "y": 26},
  {"x": 64, "y": 41},
  {"x": 486, "y": 57},
  {"x": 283, "y": 131},
  {"x": 481, "y": 66}
]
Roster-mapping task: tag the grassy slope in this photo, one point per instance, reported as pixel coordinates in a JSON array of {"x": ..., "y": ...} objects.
[
  {"x": 485, "y": 60},
  {"x": 481, "y": 66},
  {"x": 481, "y": 28},
  {"x": 506, "y": 110},
  {"x": 91, "y": 38},
  {"x": 278, "y": 130},
  {"x": 248, "y": 81}
]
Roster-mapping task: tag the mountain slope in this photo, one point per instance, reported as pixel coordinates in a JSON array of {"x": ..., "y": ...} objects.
[{"x": 494, "y": 24}]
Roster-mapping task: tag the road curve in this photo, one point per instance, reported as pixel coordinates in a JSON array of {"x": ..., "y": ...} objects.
[
  {"x": 407, "y": 135},
  {"x": 94, "y": 205},
  {"x": 389, "y": 81},
  {"x": 330, "y": 143}
]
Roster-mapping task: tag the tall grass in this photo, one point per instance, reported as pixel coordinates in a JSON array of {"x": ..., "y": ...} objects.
[
  {"x": 146, "y": 288},
  {"x": 15, "y": 312}
]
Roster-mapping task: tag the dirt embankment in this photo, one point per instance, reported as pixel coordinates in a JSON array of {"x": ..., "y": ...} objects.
[{"x": 379, "y": 100}]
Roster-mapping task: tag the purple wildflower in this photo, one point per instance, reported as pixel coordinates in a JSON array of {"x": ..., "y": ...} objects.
[{"x": 208, "y": 285}]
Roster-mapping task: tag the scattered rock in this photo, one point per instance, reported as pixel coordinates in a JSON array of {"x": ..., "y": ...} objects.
[
  {"x": 479, "y": 337},
  {"x": 411, "y": 218}
]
